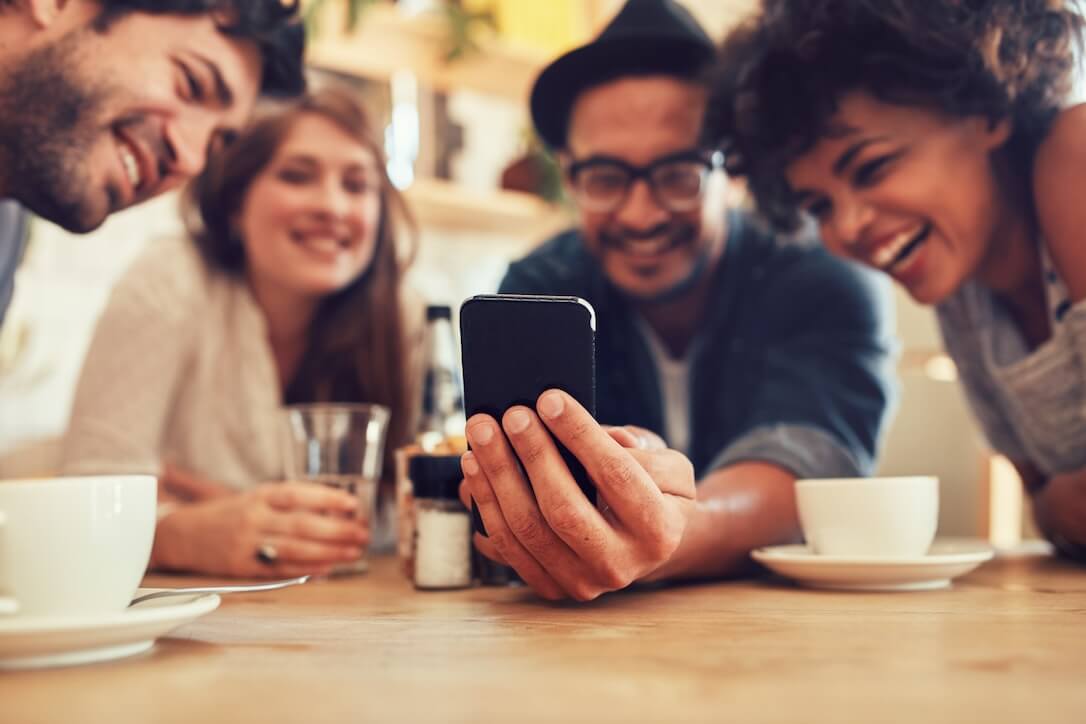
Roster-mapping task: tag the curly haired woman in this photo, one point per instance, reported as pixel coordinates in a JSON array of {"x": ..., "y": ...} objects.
[{"x": 932, "y": 140}]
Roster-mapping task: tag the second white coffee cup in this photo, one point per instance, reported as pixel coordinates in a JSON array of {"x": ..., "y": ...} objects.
[{"x": 869, "y": 517}]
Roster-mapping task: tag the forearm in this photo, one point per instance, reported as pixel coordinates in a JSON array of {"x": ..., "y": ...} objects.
[
  {"x": 1059, "y": 509},
  {"x": 1034, "y": 482},
  {"x": 739, "y": 508}
]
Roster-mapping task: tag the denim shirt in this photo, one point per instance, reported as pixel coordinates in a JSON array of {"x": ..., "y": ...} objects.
[
  {"x": 12, "y": 238},
  {"x": 793, "y": 364}
]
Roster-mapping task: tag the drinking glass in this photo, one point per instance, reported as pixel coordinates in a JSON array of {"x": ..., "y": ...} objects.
[{"x": 341, "y": 446}]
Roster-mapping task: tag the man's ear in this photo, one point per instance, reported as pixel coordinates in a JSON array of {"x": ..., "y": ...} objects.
[
  {"x": 565, "y": 158},
  {"x": 43, "y": 13}
]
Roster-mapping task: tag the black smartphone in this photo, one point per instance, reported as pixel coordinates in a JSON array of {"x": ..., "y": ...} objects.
[{"x": 515, "y": 347}]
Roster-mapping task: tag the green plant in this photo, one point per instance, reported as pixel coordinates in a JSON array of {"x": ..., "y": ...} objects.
[
  {"x": 550, "y": 171},
  {"x": 463, "y": 26},
  {"x": 535, "y": 171},
  {"x": 352, "y": 10}
]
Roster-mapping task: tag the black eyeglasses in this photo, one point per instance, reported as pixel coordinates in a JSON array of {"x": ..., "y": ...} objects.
[{"x": 601, "y": 184}]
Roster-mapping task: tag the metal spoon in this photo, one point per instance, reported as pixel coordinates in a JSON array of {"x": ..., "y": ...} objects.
[{"x": 270, "y": 586}]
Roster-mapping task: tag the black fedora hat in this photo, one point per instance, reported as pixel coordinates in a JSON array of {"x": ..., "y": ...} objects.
[{"x": 646, "y": 37}]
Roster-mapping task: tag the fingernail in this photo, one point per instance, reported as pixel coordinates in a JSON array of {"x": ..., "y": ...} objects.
[
  {"x": 481, "y": 434},
  {"x": 469, "y": 466},
  {"x": 517, "y": 421},
  {"x": 551, "y": 404}
]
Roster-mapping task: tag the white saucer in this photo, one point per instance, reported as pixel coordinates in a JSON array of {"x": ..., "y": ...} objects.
[
  {"x": 946, "y": 560},
  {"x": 34, "y": 642}
]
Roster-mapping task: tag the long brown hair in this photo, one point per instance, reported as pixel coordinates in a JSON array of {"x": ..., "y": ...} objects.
[{"x": 357, "y": 350}]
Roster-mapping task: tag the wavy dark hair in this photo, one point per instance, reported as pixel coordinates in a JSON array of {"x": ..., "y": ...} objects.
[
  {"x": 358, "y": 342},
  {"x": 780, "y": 76},
  {"x": 273, "y": 25}
]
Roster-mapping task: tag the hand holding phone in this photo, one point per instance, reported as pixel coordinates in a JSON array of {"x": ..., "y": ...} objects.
[
  {"x": 562, "y": 544},
  {"x": 539, "y": 523}
]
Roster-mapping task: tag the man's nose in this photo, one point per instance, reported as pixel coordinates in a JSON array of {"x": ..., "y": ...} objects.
[
  {"x": 640, "y": 209},
  {"x": 189, "y": 141}
]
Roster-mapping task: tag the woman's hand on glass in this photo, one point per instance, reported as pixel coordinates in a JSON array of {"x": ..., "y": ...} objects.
[{"x": 276, "y": 530}]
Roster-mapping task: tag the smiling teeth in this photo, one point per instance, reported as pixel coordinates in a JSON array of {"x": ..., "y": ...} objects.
[
  {"x": 648, "y": 247},
  {"x": 325, "y": 245},
  {"x": 888, "y": 252},
  {"x": 131, "y": 168}
]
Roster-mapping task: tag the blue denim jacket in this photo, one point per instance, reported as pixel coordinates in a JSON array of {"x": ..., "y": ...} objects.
[{"x": 793, "y": 365}]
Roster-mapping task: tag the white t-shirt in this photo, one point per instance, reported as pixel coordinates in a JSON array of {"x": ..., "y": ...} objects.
[{"x": 674, "y": 378}]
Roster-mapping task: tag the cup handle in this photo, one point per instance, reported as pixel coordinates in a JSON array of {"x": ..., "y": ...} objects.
[{"x": 8, "y": 605}]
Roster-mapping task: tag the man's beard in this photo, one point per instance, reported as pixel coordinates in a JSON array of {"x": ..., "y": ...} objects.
[
  {"x": 48, "y": 124},
  {"x": 676, "y": 234}
]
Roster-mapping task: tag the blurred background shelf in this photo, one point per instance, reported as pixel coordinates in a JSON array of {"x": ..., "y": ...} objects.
[
  {"x": 445, "y": 205},
  {"x": 388, "y": 41}
]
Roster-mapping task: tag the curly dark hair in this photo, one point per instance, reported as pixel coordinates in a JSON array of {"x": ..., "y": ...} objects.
[
  {"x": 274, "y": 25},
  {"x": 780, "y": 76}
]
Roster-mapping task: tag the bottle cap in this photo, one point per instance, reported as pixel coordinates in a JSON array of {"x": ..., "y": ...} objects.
[
  {"x": 436, "y": 476},
  {"x": 438, "y": 311}
]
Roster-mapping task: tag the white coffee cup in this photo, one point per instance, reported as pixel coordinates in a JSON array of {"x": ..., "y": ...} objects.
[
  {"x": 74, "y": 546},
  {"x": 869, "y": 517}
]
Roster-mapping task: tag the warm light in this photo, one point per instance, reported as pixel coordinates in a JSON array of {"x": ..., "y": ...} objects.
[
  {"x": 551, "y": 27},
  {"x": 1005, "y": 502},
  {"x": 402, "y": 134},
  {"x": 941, "y": 369},
  {"x": 417, "y": 7}
]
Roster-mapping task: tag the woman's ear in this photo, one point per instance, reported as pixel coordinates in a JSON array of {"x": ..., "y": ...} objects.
[
  {"x": 233, "y": 224},
  {"x": 997, "y": 132}
]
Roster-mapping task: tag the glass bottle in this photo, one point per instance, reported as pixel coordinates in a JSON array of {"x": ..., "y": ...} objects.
[{"x": 443, "y": 418}]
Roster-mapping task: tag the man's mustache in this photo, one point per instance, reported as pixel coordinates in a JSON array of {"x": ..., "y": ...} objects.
[{"x": 676, "y": 233}]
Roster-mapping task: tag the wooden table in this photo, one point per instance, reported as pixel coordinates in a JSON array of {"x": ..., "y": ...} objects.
[{"x": 1006, "y": 644}]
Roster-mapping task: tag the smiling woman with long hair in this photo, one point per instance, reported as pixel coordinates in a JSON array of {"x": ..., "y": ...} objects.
[
  {"x": 934, "y": 141},
  {"x": 289, "y": 290}
]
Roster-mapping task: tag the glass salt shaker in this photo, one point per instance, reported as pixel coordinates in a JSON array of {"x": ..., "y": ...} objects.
[{"x": 442, "y": 524}]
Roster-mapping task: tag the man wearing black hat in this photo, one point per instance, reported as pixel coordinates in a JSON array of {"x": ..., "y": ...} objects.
[{"x": 759, "y": 360}]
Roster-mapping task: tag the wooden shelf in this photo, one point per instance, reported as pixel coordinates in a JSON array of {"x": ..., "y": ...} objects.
[
  {"x": 443, "y": 205},
  {"x": 387, "y": 41}
]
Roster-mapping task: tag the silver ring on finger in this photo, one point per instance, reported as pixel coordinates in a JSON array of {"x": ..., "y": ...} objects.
[{"x": 267, "y": 554}]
